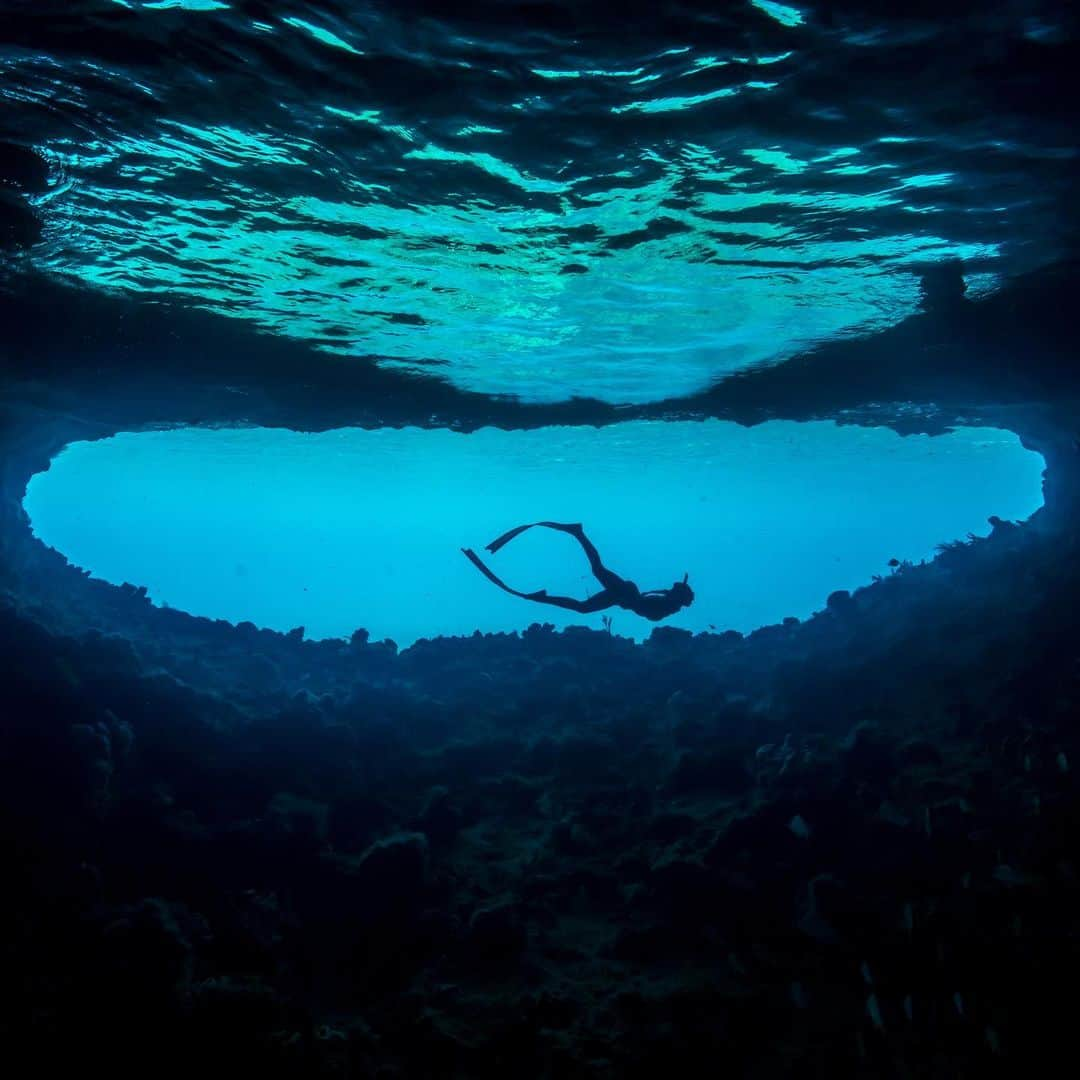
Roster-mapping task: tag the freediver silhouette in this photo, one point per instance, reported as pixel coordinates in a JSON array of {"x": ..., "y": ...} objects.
[{"x": 617, "y": 591}]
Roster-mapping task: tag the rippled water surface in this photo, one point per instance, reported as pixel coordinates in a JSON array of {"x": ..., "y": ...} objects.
[{"x": 545, "y": 199}]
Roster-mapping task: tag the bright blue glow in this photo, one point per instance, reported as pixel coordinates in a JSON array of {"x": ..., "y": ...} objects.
[
  {"x": 187, "y": 5},
  {"x": 358, "y": 528},
  {"x": 322, "y": 34},
  {"x": 782, "y": 13}
]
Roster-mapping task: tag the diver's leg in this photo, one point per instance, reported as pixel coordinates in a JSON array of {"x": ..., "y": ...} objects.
[
  {"x": 600, "y": 602},
  {"x": 608, "y": 578}
]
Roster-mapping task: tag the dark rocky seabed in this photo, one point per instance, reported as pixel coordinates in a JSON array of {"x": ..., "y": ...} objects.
[{"x": 842, "y": 847}]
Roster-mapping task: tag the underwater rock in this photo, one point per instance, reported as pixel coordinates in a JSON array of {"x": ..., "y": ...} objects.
[
  {"x": 667, "y": 827},
  {"x": 761, "y": 828},
  {"x": 577, "y": 755},
  {"x": 395, "y": 868},
  {"x": 867, "y": 755},
  {"x": 23, "y": 169},
  {"x": 235, "y": 1005},
  {"x": 497, "y": 935},
  {"x": 300, "y": 821},
  {"x": 356, "y": 820},
  {"x": 472, "y": 760},
  {"x": 440, "y": 821},
  {"x": 943, "y": 286},
  {"x": 919, "y": 752},
  {"x": 679, "y": 881},
  {"x": 840, "y": 602},
  {"x": 825, "y": 908},
  {"x": 655, "y": 943},
  {"x": 541, "y": 758},
  {"x": 718, "y": 771},
  {"x": 809, "y": 918},
  {"x": 121, "y": 736},
  {"x": 20, "y": 226},
  {"x": 94, "y": 748},
  {"x": 149, "y": 947},
  {"x": 509, "y": 795},
  {"x": 553, "y": 1010},
  {"x": 669, "y": 638}
]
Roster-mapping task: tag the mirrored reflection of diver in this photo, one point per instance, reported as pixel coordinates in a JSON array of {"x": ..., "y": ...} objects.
[{"x": 617, "y": 591}]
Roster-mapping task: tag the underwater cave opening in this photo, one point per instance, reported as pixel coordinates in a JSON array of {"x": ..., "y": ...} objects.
[{"x": 364, "y": 528}]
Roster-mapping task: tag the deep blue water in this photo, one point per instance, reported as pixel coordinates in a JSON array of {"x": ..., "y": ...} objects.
[{"x": 364, "y": 528}]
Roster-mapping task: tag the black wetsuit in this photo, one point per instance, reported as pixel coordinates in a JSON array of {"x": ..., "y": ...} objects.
[{"x": 617, "y": 591}]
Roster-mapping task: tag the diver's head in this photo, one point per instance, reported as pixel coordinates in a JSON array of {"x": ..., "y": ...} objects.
[{"x": 682, "y": 592}]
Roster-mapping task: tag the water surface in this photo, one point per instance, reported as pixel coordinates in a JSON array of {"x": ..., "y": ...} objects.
[{"x": 544, "y": 200}]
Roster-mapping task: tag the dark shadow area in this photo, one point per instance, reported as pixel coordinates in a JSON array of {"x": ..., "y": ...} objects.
[
  {"x": 22, "y": 172},
  {"x": 844, "y": 847}
]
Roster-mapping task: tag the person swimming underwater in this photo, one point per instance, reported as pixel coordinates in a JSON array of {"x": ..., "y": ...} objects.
[{"x": 617, "y": 591}]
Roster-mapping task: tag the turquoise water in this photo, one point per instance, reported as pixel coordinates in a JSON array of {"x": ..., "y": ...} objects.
[
  {"x": 629, "y": 217},
  {"x": 356, "y": 528}
]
